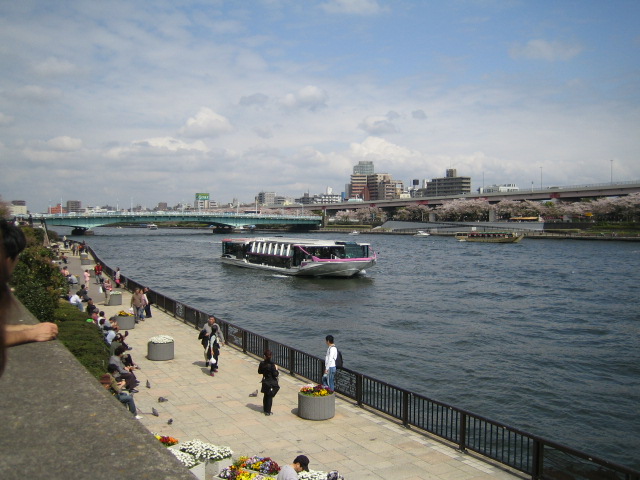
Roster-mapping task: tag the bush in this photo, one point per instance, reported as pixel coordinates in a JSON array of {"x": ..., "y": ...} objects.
[
  {"x": 82, "y": 338},
  {"x": 38, "y": 282},
  {"x": 39, "y": 285}
]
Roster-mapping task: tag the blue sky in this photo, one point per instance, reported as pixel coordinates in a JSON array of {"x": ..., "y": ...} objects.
[{"x": 147, "y": 102}]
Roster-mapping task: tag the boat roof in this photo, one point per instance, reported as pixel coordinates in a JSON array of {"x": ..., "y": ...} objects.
[{"x": 294, "y": 241}]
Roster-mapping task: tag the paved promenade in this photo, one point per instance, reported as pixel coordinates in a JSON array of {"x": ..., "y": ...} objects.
[{"x": 358, "y": 443}]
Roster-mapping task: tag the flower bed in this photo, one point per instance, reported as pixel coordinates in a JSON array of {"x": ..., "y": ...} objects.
[
  {"x": 160, "y": 348},
  {"x": 251, "y": 468},
  {"x": 205, "y": 451},
  {"x": 161, "y": 339},
  {"x": 165, "y": 440},
  {"x": 316, "y": 390}
]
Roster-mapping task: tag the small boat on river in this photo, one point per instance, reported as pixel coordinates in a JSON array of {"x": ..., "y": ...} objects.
[
  {"x": 489, "y": 237},
  {"x": 152, "y": 226},
  {"x": 422, "y": 233},
  {"x": 299, "y": 257}
]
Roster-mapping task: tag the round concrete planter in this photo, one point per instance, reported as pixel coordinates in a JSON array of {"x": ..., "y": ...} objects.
[
  {"x": 316, "y": 408},
  {"x": 115, "y": 298},
  {"x": 126, "y": 322},
  {"x": 160, "y": 351}
]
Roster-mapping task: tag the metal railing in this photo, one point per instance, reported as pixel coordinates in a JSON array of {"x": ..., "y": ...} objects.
[{"x": 527, "y": 453}]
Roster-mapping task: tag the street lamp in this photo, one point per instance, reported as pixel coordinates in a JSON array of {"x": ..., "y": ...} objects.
[
  {"x": 540, "y": 178},
  {"x": 611, "y": 171}
]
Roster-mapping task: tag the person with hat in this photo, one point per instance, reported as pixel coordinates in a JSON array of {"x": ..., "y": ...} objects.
[{"x": 290, "y": 472}]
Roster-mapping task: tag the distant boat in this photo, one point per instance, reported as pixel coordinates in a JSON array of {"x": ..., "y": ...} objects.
[
  {"x": 422, "y": 233},
  {"x": 489, "y": 237},
  {"x": 355, "y": 232},
  {"x": 152, "y": 226},
  {"x": 299, "y": 257}
]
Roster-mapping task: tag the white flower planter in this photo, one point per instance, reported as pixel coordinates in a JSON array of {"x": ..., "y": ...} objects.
[
  {"x": 160, "y": 351},
  {"x": 209, "y": 470},
  {"x": 115, "y": 298},
  {"x": 316, "y": 408}
]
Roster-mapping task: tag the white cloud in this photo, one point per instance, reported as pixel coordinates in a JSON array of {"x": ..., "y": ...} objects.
[
  {"x": 354, "y": 7},
  {"x": 54, "y": 67},
  {"x": 160, "y": 146},
  {"x": 257, "y": 99},
  {"x": 310, "y": 98},
  {"x": 206, "y": 123},
  {"x": 37, "y": 93},
  {"x": 5, "y": 120},
  {"x": 544, "y": 50},
  {"x": 65, "y": 144},
  {"x": 377, "y": 125},
  {"x": 419, "y": 115}
]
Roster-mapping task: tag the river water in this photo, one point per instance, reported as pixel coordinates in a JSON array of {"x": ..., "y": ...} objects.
[{"x": 543, "y": 335}]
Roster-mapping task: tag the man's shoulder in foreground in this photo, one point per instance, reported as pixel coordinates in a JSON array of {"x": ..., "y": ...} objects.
[{"x": 287, "y": 473}]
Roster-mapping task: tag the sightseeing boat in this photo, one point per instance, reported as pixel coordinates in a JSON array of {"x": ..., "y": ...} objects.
[
  {"x": 422, "y": 233},
  {"x": 298, "y": 257},
  {"x": 152, "y": 226},
  {"x": 489, "y": 237}
]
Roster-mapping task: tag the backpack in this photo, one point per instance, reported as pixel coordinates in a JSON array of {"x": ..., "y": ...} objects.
[
  {"x": 201, "y": 334},
  {"x": 339, "y": 361}
]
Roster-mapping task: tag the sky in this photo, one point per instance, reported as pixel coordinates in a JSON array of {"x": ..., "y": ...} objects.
[{"x": 141, "y": 102}]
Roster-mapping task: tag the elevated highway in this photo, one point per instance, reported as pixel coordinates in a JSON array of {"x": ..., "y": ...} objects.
[
  {"x": 567, "y": 193},
  {"x": 83, "y": 222}
]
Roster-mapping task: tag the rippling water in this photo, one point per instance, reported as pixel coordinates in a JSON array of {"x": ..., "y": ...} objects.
[{"x": 542, "y": 335}]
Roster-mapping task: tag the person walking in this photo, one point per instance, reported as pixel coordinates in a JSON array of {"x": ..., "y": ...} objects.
[
  {"x": 290, "y": 472},
  {"x": 329, "y": 377},
  {"x": 137, "y": 303},
  {"x": 147, "y": 307},
  {"x": 117, "y": 277},
  {"x": 270, "y": 387},
  {"x": 212, "y": 340}
]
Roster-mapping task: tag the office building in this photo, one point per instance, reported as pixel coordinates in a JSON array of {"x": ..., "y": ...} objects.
[{"x": 451, "y": 184}]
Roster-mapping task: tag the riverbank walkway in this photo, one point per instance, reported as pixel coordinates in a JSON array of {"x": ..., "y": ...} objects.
[{"x": 360, "y": 444}]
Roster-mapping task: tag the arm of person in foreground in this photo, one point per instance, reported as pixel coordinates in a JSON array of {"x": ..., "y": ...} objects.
[{"x": 18, "y": 334}]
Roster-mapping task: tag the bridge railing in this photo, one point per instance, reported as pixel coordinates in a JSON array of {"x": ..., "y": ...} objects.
[{"x": 527, "y": 453}]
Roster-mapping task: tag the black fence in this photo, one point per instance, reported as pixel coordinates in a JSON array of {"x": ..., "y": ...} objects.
[{"x": 535, "y": 456}]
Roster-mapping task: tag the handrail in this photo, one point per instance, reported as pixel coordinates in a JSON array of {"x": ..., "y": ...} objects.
[{"x": 528, "y": 453}]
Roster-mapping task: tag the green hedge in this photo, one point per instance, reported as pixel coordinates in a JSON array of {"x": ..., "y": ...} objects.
[
  {"x": 39, "y": 285},
  {"x": 82, "y": 338}
]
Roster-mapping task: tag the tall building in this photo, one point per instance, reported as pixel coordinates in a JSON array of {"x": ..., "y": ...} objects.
[
  {"x": 451, "y": 184},
  {"x": 266, "y": 198},
  {"x": 74, "y": 206},
  {"x": 363, "y": 168},
  {"x": 358, "y": 186},
  {"x": 201, "y": 201}
]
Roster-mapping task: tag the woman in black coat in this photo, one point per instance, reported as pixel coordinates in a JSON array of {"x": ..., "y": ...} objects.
[{"x": 270, "y": 387}]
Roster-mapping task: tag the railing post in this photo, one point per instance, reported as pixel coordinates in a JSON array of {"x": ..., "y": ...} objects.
[
  {"x": 462, "y": 430},
  {"x": 244, "y": 341},
  {"x": 359, "y": 389},
  {"x": 405, "y": 408},
  {"x": 538, "y": 459},
  {"x": 292, "y": 360}
]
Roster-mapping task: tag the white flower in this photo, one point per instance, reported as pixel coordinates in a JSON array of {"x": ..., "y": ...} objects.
[
  {"x": 205, "y": 451},
  {"x": 312, "y": 475},
  {"x": 187, "y": 459},
  {"x": 161, "y": 339}
]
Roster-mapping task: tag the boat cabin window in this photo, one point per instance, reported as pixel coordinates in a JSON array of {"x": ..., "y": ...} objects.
[{"x": 353, "y": 250}]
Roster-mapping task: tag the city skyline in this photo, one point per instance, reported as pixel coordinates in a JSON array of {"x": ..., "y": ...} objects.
[{"x": 115, "y": 101}]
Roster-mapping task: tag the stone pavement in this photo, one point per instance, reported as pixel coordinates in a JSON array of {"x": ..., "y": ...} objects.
[{"x": 358, "y": 443}]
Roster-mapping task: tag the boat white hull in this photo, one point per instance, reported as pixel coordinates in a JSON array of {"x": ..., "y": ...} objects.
[{"x": 309, "y": 269}]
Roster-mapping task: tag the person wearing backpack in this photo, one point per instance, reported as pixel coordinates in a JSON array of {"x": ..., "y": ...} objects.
[{"x": 330, "y": 364}]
